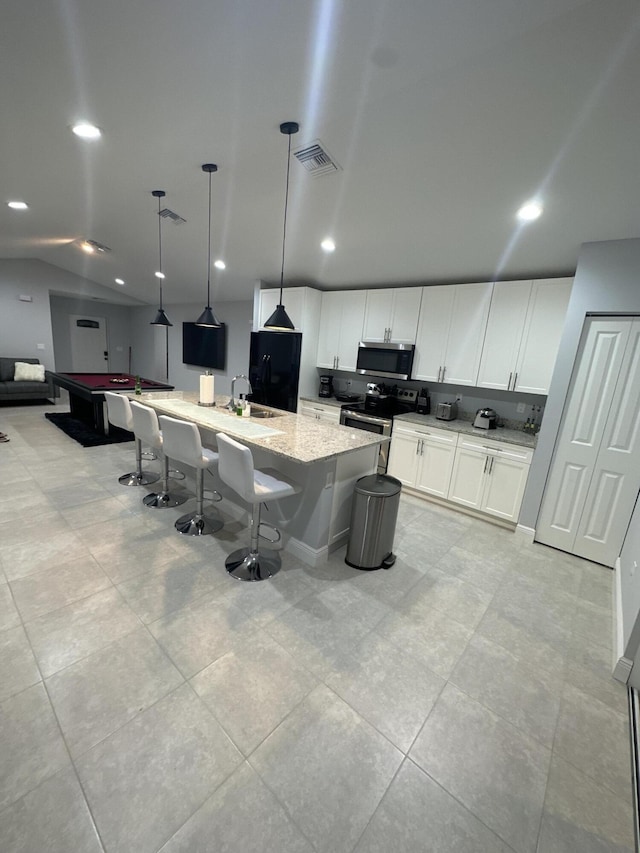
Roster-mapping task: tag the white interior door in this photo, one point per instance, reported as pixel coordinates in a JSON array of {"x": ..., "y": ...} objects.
[
  {"x": 88, "y": 337},
  {"x": 595, "y": 472}
]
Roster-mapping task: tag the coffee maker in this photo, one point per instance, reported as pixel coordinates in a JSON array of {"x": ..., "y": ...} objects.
[{"x": 326, "y": 386}]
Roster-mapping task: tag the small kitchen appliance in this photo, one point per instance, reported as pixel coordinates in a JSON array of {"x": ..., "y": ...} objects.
[
  {"x": 447, "y": 411},
  {"x": 423, "y": 405},
  {"x": 326, "y": 386},
  {"x": 485, "y": 419}
]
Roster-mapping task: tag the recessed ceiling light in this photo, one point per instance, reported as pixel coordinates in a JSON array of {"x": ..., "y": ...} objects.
[
  {"x": 328, "y": 245},
  {"x": 159, "y": 274},
  {"x": 91, "y": 246},
  {"x": 220, "y": 265},
  {"x": 88, "y": 248},
  {"x": 87, "y": 131},
  {"x": 17, "y": 205},
  {"x": 120, "y": 281},
  {"x": 529, "y": 211}
]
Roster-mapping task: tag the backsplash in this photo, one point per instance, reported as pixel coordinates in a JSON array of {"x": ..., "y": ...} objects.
[{"x": 505, "y": 403}]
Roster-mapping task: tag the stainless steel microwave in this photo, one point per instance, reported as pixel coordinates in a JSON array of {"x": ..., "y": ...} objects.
[{"x": 391, "y": 361}]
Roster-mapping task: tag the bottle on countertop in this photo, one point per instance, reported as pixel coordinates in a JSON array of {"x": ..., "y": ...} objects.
[
  {"x": 242, "y": 405},
  {"x": 138, "y": 386}
]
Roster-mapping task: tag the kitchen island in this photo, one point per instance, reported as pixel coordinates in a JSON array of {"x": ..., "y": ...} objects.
[{"x": 325, "y": 459}]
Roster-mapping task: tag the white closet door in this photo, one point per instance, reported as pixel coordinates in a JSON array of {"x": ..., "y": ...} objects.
[
  {"x": 587, "y": 410},
  {"x": 614, "y": 485}
]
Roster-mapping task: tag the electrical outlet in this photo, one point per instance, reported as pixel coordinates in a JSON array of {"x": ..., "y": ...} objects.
[
  {"x": 520, "y": 408},
  {"x": 633, "y": 569},
  {"x": 458, "y": 398}
]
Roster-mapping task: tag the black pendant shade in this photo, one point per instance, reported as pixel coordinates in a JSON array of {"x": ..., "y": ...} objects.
[
  {"x": 280, "y": 319},
  {"x": 208, "y": 318},
  {"x": 161, "y": 317}
]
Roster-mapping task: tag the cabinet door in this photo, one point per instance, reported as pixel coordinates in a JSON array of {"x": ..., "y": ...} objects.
[
  {"x": 505, "y": 483},
  {"x": 293, "y": 300},
  {"x": 377, "y": 315},
  {"x": 403, "y": 457},
  {"x": 433, "y": 328},
  {"x": 329, "y": 414},
  {"x": 329, "y": 337},
  {"x": 351, "y": 316},
  {"x": 542, "y": 333},
  {"x": 307, "y": 410},
  {"x": 466, "y": 332},
  {"x": 505, "y": 327},
  {"x": 436, "y": 464},
  {"x": 404, "y": 318},
  {"x": 467, "y": 478}
]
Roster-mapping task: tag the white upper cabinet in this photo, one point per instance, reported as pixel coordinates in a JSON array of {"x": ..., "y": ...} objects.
[
  {"x": 341, "y": 323},
  {"x": 451, "y": 331},
  {"x": 523, "y": 334},
  {"x": 391, "y": 314},
  {"x": 292, "y": 299}
]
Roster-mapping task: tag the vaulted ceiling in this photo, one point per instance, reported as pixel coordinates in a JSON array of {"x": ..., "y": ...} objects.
[{"x": 443, "y": 117}]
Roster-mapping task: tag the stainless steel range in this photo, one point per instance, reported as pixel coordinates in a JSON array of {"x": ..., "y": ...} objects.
[{"x": 375, "y": 415}]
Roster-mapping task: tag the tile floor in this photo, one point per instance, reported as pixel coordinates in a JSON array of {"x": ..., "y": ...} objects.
[{"x": 461, "y": 701}]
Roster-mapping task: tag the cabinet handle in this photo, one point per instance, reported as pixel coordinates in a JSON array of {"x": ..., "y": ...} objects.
[
  {"x": 439, "y": 372},
  {"x": 491, "y": 466},
  {"x": 421, "y": 447},
  {"x": 509, "y": 382},
  {"x": 417, "y": 447},
  {"x": 337, "y": 362},
  {"x": 515, "y": 382},
  {"x": 443, "y": 372},
  {"x": 486, "y": 460}
]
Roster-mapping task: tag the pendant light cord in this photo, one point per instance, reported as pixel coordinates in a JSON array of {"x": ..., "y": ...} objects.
[
  {"x": 286, "y": 205},
  {"x": 209, "y": 250},
  {"x": 160, "y": 249}
]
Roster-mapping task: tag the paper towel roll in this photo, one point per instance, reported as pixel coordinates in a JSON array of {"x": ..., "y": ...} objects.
[{"x": 206, "y": 389}]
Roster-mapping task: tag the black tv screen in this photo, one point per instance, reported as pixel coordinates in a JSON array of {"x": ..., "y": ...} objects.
[{"x": 204, "y": 347}]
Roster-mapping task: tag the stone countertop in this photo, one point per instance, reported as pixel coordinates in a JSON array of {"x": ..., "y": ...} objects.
[
  {"x": 328, "y": 401},
  {"x": 295, "y": 437},
  {"x": 464, "y": 425}
]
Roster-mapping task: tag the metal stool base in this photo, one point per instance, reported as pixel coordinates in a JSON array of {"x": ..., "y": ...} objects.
[
  {"x": 138, "y": 479},
  {"x": 164, "y": 499},
  {"x": 244, "y": 565},
  {"x": 193, "y": 524}
]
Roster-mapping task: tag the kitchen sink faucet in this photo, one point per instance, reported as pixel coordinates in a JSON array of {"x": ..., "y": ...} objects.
[{"x": 231, "y": 405}]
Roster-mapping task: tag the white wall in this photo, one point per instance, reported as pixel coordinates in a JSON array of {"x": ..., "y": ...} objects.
[
  {"x": 149, "y": 353},
  {"x": 24, "y": 325},
  {"x": 607, "y": 281}
]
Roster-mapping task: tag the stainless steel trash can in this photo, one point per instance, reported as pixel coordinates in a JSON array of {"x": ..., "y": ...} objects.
[{"x": 373, "y": 522}]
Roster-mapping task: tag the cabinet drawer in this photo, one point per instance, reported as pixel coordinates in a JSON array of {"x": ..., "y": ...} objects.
[
  {"x": 437, "y": 435},
  {"x": 498, "y": 448}
]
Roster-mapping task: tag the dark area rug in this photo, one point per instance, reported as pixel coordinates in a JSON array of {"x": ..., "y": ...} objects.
[{"x": 84, "y": 434}]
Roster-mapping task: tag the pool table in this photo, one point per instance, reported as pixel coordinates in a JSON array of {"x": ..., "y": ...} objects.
[{"x": 86, "y": 393}]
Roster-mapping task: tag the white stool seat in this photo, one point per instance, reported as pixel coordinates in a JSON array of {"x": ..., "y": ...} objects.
[
  {"x": 256, "y": 486},
  {"x": 119, "y": 414},
  {"x": 147, "y": 429},
  {"x": 181, "y": 441}
]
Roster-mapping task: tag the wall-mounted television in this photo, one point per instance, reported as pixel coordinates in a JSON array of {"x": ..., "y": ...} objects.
[{"x": 204, "y": 347}]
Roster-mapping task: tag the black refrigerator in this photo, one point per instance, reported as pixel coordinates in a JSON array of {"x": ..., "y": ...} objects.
[{"x": 274, "y": 369}]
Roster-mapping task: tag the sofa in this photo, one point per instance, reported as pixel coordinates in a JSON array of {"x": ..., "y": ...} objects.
[{"x": 14, "y": 392}]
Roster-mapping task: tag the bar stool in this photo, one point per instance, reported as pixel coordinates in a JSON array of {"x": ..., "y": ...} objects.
[
  {"x": 255, "y": 486},
  {"x": 119, "y": 414},
  {"x": 181, "y": 441},
  {"x": 147, "y": 429}
]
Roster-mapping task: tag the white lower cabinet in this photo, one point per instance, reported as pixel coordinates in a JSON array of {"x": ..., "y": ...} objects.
[
  {"x": 490, "y": 476},
  {"x": 330, "y": 414},
  {"x": 422, "y": 458}
]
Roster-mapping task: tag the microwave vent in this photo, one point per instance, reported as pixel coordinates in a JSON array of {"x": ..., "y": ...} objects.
[{"x": 316, "y": 159}]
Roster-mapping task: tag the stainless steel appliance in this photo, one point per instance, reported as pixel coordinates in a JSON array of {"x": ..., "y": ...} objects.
[
  {"x": 485, "y": 419},
  {"x": 359, "y": 419},
  {"x": 326, "y": 386},
  {"x": 274, "y": 368},
  {"x": 376, "y": 413},
  {"x": 390, "y": 361},
  {"x": 447, "y": 411}
]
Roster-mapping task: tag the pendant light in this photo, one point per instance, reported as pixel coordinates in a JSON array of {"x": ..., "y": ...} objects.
[
  {"x": 208, "y": 318},
  {"x": 280, "y": 319},
  {"x": 161, "y": 317}
]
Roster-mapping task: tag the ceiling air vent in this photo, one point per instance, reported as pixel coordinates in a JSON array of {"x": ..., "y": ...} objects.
[
  {"x": 169, "y": 214},
  {"x": 316, "y": 159}
]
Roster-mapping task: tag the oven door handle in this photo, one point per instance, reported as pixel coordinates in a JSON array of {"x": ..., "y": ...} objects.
[{"x": 369, "y": 419}]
